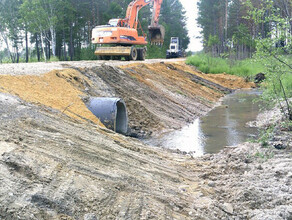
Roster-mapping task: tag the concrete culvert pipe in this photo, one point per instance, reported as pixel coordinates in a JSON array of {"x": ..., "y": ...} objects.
[{"x": 112, "y": 112}]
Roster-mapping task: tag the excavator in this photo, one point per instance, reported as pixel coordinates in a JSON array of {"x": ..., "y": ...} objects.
[{"x": 120, "y": 36}]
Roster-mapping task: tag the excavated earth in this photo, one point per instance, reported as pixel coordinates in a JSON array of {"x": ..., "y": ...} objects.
[{"x": 57, "y": 161}]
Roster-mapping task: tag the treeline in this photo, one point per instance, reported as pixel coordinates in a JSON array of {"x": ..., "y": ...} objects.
[
  {"x": 41, "y": 29},
  {"x": 228, "y": 30}
]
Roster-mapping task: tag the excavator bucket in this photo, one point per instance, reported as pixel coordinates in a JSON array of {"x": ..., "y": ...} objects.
[{"x": 156, "y": 34}]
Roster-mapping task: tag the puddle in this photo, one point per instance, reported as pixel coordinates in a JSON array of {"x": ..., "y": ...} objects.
[{"x": 224, "y": 126}]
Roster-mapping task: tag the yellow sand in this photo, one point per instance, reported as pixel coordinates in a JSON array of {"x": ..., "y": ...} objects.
[
  {"x": 226, "y": 80},
  {"x": 58, "y": 89}
]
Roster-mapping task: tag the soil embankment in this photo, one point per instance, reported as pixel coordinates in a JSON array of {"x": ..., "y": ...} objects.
[
  {"x": 57, "y": 162},
  {"x": 158, "y": 96}
]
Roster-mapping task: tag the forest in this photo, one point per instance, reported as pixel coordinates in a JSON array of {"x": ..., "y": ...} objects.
[
  {"x": 229, "y": 30},
  {"x": 247, "y": 38},
  {"x": 40, "y": 30}
]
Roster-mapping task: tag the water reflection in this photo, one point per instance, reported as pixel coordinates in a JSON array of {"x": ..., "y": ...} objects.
[
  {"x": 225, "y": 125},
  {"x": 188, "y": 139}
]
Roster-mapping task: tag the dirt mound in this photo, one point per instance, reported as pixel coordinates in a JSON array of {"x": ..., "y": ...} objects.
[
  {"x": 229, "y": 81},
  {"x": 59, "y": 89},
  {"x": 53, "y": 167},
  {"x": 158, "y": 96},
  {"x": 162, "y": 76}
]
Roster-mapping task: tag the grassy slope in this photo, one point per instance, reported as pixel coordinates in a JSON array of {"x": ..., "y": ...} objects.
[
  {"x": 248, "y": 69},
  {"x": 208, "y": 64}
]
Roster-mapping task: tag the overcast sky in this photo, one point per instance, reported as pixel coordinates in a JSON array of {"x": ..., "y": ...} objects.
[{"x": 192, "y": 13}]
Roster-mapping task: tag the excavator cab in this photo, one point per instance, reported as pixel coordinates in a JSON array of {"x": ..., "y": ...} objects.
[
  {"x": 156, "y": 34},
  {"x": 117, "y": 22},
  {"x": 113, "y": 22}
]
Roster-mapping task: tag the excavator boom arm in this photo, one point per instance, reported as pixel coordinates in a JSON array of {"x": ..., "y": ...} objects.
[
  {"x": 156, "y": 12},
  {"x": 134, "y": 7}
]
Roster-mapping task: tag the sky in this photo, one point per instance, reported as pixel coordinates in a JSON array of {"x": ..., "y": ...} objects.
[{"x": 194, "y": 32}]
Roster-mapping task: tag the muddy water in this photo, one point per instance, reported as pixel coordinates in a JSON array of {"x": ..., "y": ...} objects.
[{"x": 225, "y": 125}]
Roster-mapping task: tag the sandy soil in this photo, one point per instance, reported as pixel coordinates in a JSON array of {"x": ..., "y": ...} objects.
[
  {"x": 54, "y": 165},
  {"x": 59, "y": 89},
  {"x": 55, "y": 168},
  {"x": 159, "y": 96}
]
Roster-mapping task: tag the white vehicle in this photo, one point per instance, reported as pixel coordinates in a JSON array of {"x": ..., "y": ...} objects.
[{"x": 174, "y": 48}]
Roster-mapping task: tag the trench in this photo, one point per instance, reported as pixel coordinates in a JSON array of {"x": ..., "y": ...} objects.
[{"x": 225, "y": 125}]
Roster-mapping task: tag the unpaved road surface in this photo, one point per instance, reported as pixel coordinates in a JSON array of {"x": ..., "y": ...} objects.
[
  {"x": 42, "y": 67},
  {"x": 58, "y": 162}
]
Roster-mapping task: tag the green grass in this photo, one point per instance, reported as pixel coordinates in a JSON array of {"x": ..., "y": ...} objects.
[
  {"x": 87, "y": 54},
  {"x": 208, "y": 64},
  {"x": 154, "y": 52},
  {"x": 272, "y": 89},
  {"x": 277, "y": 74}
]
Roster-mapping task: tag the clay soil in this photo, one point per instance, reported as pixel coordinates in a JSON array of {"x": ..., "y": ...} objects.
[{"x": 58, "y": 162}]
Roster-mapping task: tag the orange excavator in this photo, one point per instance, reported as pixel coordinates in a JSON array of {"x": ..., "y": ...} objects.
[{"x": 121, "y": 35}]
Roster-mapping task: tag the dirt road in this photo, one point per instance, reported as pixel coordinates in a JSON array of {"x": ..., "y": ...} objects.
[
  {"x": 57, "y": 162},
  {"x": 42, "y": 67}
]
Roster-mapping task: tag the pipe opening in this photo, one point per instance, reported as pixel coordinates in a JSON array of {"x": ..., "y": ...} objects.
[
  {"x": 121, "y": 118},
  {"x": 112, "y": 112}
]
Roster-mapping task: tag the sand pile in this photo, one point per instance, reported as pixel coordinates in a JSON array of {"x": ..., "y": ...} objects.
[
  {"x": 173, "y": 77},
  {"x": 58, "y": 89},
  {"x": 229, "y": 81}
]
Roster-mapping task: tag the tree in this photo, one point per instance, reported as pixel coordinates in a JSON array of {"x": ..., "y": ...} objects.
[
  {"x": 41, "y": 17},
  {"x": 10, "y": 27},
  {"x": 272, "y": 50},
  {"x": 225, "y": 19},
  {"x": 174, "y": 19},
  {"x": 212, "y": 20},
  {"x": 63, "y": 28}
]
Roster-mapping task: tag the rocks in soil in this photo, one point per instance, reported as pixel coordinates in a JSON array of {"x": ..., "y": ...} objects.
[
  {"x": 90, "y": 216},
  {"x": 227, "y": 207},
  {"x": 279, "y": 145},
  {"x": 260, "y": 77}
]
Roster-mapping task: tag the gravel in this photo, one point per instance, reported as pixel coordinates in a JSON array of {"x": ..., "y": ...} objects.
[{"x": 42, "y": 67}]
